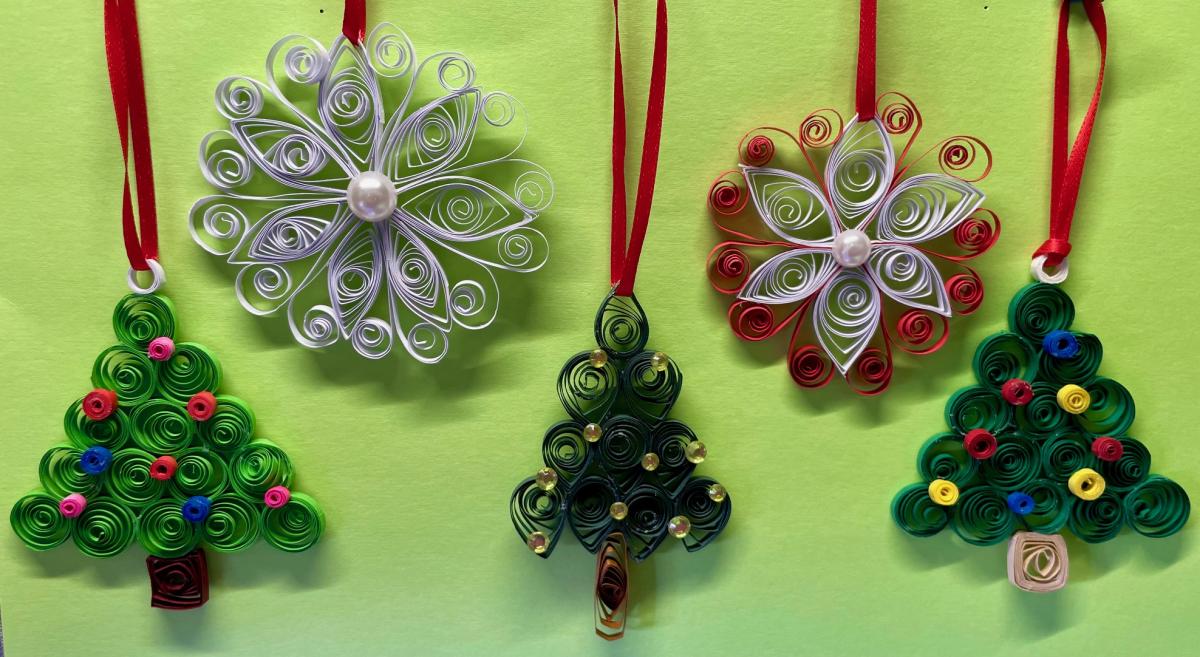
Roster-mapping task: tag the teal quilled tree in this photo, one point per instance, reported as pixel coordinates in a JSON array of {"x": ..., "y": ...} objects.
[
  {"x": 154, "y": 454},
  {"x": 619, "y": 472},
  {"x": 1040, "y": 444}
]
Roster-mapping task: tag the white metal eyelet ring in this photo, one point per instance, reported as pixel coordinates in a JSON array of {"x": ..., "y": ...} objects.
[
  {"x": 159, "y": 277},
  {"x": 1038, "y": 269}
]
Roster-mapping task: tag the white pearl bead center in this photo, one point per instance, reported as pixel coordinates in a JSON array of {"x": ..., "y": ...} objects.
[
  {"x": 851, "y": 248},
  {"x": 371, "y": 196}
]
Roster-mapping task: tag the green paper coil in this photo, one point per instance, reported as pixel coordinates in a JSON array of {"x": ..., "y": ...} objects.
[
  {"x": 1158, "y": 507},
  {"x": 230, "y": 426},
  {"x": 982, "y": 516},
  {"x": 190, "y": 370},
  {"x": 1098, "y": 520},
  {"x": 164, "y": 532},
  {"x": 1065, "y": 453},
  {"x": 944, "y": 457},
  {"x": 977, "y": 407},
  {"x": 1080, "y": 369},
  {"x": 1004, "y": 356},
  {"x": 1042, "y": 415},
  {"x": 1051, "y": 506},
  {"x": 1111, "y": 410},
  {"x": 129, "y": 479},
  {"x": 296, "y": 525},
  {"x": 36, "y": 520},
  {"x": 139, "y": 318},
  {"x": 162, "y": 427},
  {"x": 84, "y": 432},
  {"x": 233, "y": 523},
  {"x": 259, "y": 466},
  {"x": 916, "y": 514},
  {"x": 61, "y": 473},
  {"x": 1128, "y": 471},
  {"x": 199, "y": 472},
  {"x": 1039, "y": 309},
  {"x": 1014, "y": 464},
  {"x": 126, "y": 371},
  {"x": 104, "y": 529}
]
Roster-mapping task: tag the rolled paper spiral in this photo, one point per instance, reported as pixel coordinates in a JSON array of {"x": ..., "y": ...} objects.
[
  {"x": 199, "y": 472},
  {"x": 61, "y": 473},
  {"x": 161, "y": 348},
  {"x": 230, "y": 427},
  {"x": 99, "y": 404},
  {"x": 708, "y": 517},
  {"x": 126, "y": 371},
  {"x": 1080, "y": 368},
  {"x": 295, "y": 526},
  {"x": 276, "y": 497},
  {"x": 105, "y": 528},
  {"x": 624, "y": 441},
  {"x": 871, "y": 372},
  {"x": 195, "y": 508},
  {"x": 977, "y": 407},
  {"x": 946, "y": 456},
  {"x": 621, "y": 326},
  {"x": 727, "y": 197},
  {"x": 1020, "y": 503},
  {"x": 1037, "y": 562},
  {"x": 36, "y": 520},
  {"x": 982, "y": 516},
  {"x": 650, "y": 508},
  {"x": 537, "y": 511},
  {"x": 1097, "y": 520},
  {"x": 809, "y": 366},
  {"x": 1061, "y": 345},
  {"x": 1017, "y": 392},
  {"x": 1158, "y": 507},
  {"x": 111, "y": 432},
  {"x": 1086, "y": 484},
  {"x": 162, "y": 427},
  {"x": 1110, "y": 411},
  {"x": 163, "y": 468},
  {"x": 1042, "y": 415},
  {"x": 588, "y": 392},
  {"x": 258, "y": 466},
  {"x": 202, "y": 405},
  {"x": 1051, "y": 506},
  {"x": 233, "y": 523},
  {"x": 1128, "y": 471},
  {"x": 72, "y": 505},
  {"x": 1107, "y": 448},
  {"x": 965, "y": 290},
  {"x": 1064, "y": 454},
  {"x": 943, "y": 493},
  {"x": 588, "y": 511},
  {"x": 164, "y": 532},
  {"x": 1014, "y": 464},
  {"x": 1073, "y": 399},
  {"x": 129, "y": 479},
  {"x": 752, "y": 321},
  {"x": 192, "y": 369},
  {"x": 565, "y": 449},
  {"x": 140, "y": 318},
  {"x": 916, "y": 514},
  {"x": 758, "y": 150},
  {"x": 95, "y": 460},
  {"x": 670, "y": 441},
  {"x": 1038, "y": 309},
  {"x": 1004, "y": 356},
  {"x": 650, "y": 393}
]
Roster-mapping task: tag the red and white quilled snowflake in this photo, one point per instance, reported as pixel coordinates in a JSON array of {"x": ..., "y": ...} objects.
[{"x": 837, "y": 231}]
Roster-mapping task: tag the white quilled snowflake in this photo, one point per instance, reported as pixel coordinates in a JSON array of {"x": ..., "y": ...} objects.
[{"x": 370, "y": 196}]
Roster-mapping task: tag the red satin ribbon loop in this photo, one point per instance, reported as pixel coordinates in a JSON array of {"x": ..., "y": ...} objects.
[
  {"x": 123, "y": 51},
  {"x": 1066, "y": 170},
  {"x": 354, "y": 21},
  {"x": 623, "y": 262},
  {"x": 864, "y": 89}
]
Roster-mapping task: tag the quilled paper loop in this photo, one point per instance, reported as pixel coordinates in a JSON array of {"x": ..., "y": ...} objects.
[
  {"x": 95, "y": 460},
  {"x": 566, "y": 450},
  {"x": 36, "y": 520},
  {"x": 982, "y": 516},
  {"x": 1039, "y": 309},
  {"x": 199, "y": 472},
  {"x": 1004, "y": 356},
  {"x": 163, "y": 531},
  {"x": 1038, "y": 563},
  {"x": 588, "y": 392},
  {"x": 1042, "y": 415},
  {"x": 259, "y": 466},
  {"x": 670, "y": 440},
  {"x": 650, "y": 508},
  {"x": 1110, "y": 409},
  {"x": 230, "y": 427},
  {"x": 1051, "y": 506},
  {"x": 192, "y": 369},
  {"x": 61, "y": 473},
  {"x": 1015, "y": 463},
  {"x": 111, "y": 432},
  {"x": 162, "y": 427},
  {"x": 1079, "y": 369},
  {"x": 943, "y": 492},
  {"x": 1064, "y": 454},
  {"x": 621, "y": 326},
  {"x": 708, "y": 517},
  {"x": 1086, "y": 484},
  {"x": 158, "y": 278},
  {"x": 944, "y": 456},
  {"x": 105, "y": 528},
  {"x": 233, "y": 523},
  {"x": 1098, "y": 520},
  {"x": 916, "y": 514},
  {"x": 588, "y": 511},
  {"x": 977, "y": 407},
  {"x": 295, "y": 526},
  {"x": 727, "y": 195},
  {"x": 535, "y": 510},
  {"x": 129, "y": 479},
  {"x": 650, "y": 390},
  {"x": 1128, "y": 471},
  {"x": 1157, "y": 507},
  {"x": 140, "y": 318},
  {"x": 624, "y": 441},
  {"x": 810, "y": 367},
  {"x": 1073, "y": 399},
  {"x": 126, "y": 371}
]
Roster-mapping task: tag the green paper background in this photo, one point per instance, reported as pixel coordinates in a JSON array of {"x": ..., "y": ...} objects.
[{"x": 414, "y": 465}]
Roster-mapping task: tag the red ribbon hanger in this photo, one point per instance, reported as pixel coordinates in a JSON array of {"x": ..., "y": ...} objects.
[
  {"x": 1067, "y": 169},
  {"x": 123, "y": 51},
  {"x": 864, "y": 89},
  {"x": 623, "y": 263},
  {"x": 354, "y": 21}
]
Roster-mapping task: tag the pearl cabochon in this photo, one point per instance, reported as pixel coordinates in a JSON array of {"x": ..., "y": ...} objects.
[
  {"x": 371, "y": 196},
  {"x": 851, "y": 248}
]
